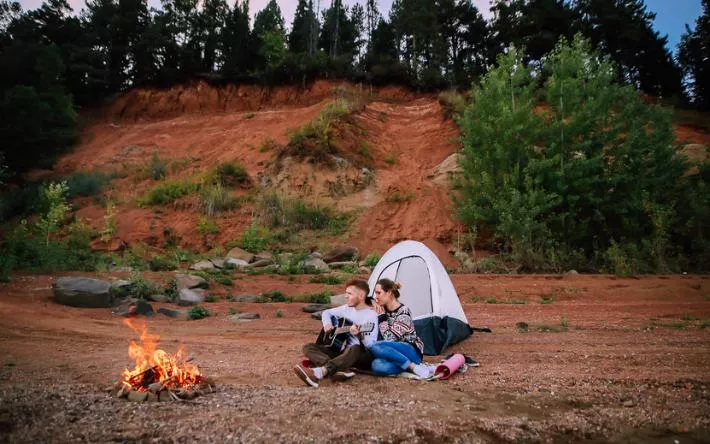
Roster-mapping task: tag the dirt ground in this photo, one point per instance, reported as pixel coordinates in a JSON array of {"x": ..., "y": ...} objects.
[{"x": 604, "y": 359}]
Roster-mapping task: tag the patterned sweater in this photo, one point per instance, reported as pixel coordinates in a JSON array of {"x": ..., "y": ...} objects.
[{"x": 398, "y": 326}]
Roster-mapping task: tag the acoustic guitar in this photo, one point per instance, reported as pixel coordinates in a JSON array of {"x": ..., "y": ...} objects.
[{"x": 337, "y": 338}]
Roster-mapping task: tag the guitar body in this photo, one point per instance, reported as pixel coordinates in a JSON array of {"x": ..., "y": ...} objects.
[{"x": 337, "y": 338}]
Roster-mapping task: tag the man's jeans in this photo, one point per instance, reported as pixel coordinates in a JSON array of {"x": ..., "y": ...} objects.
[
  {"x": 392, "y": 358},
  {"x": 354, "y": 356}
]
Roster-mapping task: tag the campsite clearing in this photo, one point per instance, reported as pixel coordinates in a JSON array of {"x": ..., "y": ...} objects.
[{"x": 605, "y": 359}]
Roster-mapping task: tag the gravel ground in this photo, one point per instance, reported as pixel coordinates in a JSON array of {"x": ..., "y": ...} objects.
[{"x": 612, "y": 360}]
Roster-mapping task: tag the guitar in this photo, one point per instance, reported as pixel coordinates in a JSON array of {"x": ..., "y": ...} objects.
[{"x": 337, "y": 338}]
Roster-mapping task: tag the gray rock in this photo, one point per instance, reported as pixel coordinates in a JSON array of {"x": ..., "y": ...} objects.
[
  {"x": 218, "y": 262},
  {"x": 317, "y": 255},
  {"x": 239, "y": 263},
  {"x": 338, "y": 299},
  {"x": 175, "y": 314},
  {"x": 261, "y": 263},
  {"x": 158, "y": 298},
  {"x": 339, "y": 265},
  {"x": 190, "y": 281},
  {"x": 188, "y": 296},
  {"x": 341, "y": 254},
  {"x": 238, "y": 253},
  {"x": 83, "y": 292},
  {"x": 135, "y": 396},
  {"x": 202, "y": 265},
  {"x": 317, "y": 315},
  {"x": 364, "y": 270},
  {"x": 120, "y": 283},
  {"x": 120, "y": 269},
  {"x": 244, "y": 317},
  {"x": 134, "y": 307},
  {"x": 313, "y": 308},
  {"x": 263, "y": 255},
  {"x": 316, "y": 265}
]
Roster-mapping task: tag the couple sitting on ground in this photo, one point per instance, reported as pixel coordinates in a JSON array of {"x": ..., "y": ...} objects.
[{"x": 390, "y": 346}]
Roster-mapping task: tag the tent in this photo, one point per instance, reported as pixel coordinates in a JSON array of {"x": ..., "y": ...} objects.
[{"x": 427, "y": 291}]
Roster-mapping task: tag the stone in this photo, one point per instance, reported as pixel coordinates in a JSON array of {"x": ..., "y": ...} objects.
[
  {"x": 202, "y": 265},
  {"x": 164, "y": 396},
  {"x": 152, "y": 397},
  {"x": 83, "y": 292},
  {"x": 248, "y": 298},
  {"x": 341, "y": 254},
  {"x": 134, "y": 307},
  {"x": 629, "y": 403},
  {"x": 317, "y": 315},
  {"x": 447, "y": 170},
  {"x": 120, "y": 269},
  {"x": 315, "y": 265},
  {"x": 238, "y": 253},
  {"x": 340, "y": 265},
  {"x": 135, "y": 396},
  {"x": 158, "y": 298},
  {"x": 175, "y": 314},
  {"x": 244, "y": 317},
  {"x": 218, "y": 262},
  {"x": 263, "y": 255},
  {"x": 317, "y": 255},
  {"x": 338, "y": 299},
  {"x": 239, "y": 263},
  {"x": 364, "y": 270},
  {"x": 313, "y": 308},
  {"x": 261, "y": 263},
  {"x": 190, "y": 281},
  {"x": 187, "y": 296}
]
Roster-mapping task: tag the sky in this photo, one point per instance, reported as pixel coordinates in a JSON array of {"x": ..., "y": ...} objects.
[{"x": 671, "y": 15}]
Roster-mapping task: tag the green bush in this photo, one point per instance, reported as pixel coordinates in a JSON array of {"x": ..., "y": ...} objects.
[
  {"x": 279, "y": 313},
  {"x": 161, "y": 263},
  {"x": 276, "y": 296},
  {"x": 564, "y": 162},
  {"x": 211, "y": 298},
  {"x": 157, "y": 169},
  {"x": 216, "y": 199},
  {"x": 168, "y": 192},
  {"x": 319, "y": 298},
  {"x": 328, "y": 279},
  {"x": 197, "y": 312},
  {"x": 206, "y": 226},
  {"x": 453, "y": 103},
  {"x": 224, "y": 280},
  {"x": 296, "y": 214},
  {"x": 255, "y": 238},
  {"x": 229, "y": 174},
  {"x": 372, "y": 259},
  {"x": 85, "y": 184}
]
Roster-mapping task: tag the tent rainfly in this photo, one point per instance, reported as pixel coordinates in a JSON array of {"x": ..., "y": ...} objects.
[{"x": 427, "y": 291}]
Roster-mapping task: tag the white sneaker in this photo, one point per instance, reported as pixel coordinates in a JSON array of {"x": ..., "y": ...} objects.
[{"x": 423, "y": 371}]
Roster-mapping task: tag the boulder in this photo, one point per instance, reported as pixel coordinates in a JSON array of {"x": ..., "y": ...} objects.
[
  {"x": 188, "y": 296},
  {"x": 317, "y": 255},
  {"x": 338, "y": 299},
  {"x": 341, "y": 254},
  {"x": 175, "y": 314},
  {"x": 238, "y": 253},
  {"x": 261, "y": 263},
  {"x": 83, "y": 292},
  {"x": 190, "y": 281},
  {"x": 447, "y": 170},
  {"x": 158, "y": 298},
  {"x": 341, "y": 265},
  {"x": 244, "y": 317},
  {"x": 239, "y": 263},
  {"x": 218, "y": 262},
  {"x": 315, "y": 265},
  {"x": 263, "y": 255},
  {"x": 313, "y": 308},
  {"x": 134, "y": 307},
  {"x": 202, "y": 265},
  {"x": 364, "y": 270}
]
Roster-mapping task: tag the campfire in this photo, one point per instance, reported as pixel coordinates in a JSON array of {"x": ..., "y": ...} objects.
[{"x": 158, "y": 375}]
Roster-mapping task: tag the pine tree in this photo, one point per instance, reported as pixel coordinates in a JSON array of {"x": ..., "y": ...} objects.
[{"x": 694, "y": 58}]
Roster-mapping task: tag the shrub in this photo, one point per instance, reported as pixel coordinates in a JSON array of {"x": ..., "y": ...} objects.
[
  {"x": 216, "y": 199},
  {"x": 197, "y": 312},
  {"x": 390, "y": 159},
  {"x": 319, "y": 298},
  {"x": 206, "y": 226},
  {"x": 161, "y": 263},
  {"x": 224, "y": 280},
  {"x": 314, "y": 139},
  {"x": 328, "y": 279},
  {"x": 232, "y": 311},
  {"x": 267, "y": 145},
  {"x": 372, "y": 259},
  {"x": 279, "y": 313},
  {"x": 211, "y": 298},
  {"x": 168, "y": 192},
  {"x": 275, "y": 211},
  {"x": 255, "y": 238},
  {"x": 453, "y": 103},
  {"x": 157, "y": 169},
  {"x": 229, "y": 174},
  {"x": 276, "y": 296},
  {"x": 85, "y": 184},
  {"x": 400, "y": 196},
  {"x": 171, "y": 290}
]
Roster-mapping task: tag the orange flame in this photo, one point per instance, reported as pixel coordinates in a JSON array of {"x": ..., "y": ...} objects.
[{"x": 156, "y": 365}]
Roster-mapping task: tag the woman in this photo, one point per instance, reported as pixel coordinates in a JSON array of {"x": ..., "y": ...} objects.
[{"x": 400, "y": 348}]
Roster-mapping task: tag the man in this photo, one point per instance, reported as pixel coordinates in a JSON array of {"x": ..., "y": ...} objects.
[{"x": 328, "y": 362}]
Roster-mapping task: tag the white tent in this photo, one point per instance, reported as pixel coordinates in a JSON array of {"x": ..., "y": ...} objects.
[{"x": 427, "y": 291}]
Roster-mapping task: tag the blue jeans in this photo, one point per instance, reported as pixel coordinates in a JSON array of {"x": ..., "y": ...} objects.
[{"x": 392, "y": 358}]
